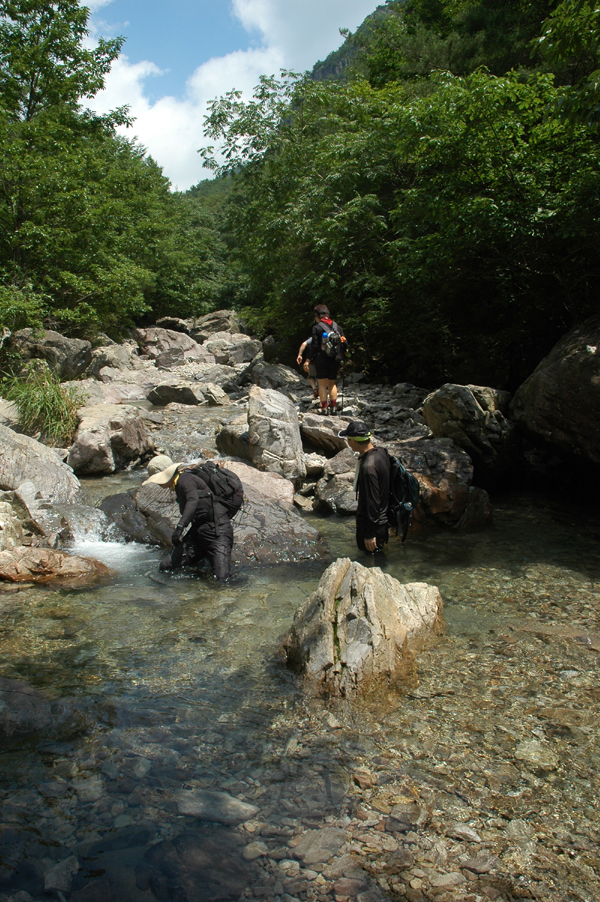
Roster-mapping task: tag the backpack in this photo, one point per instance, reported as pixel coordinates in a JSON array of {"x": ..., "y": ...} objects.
[
  {"x": 332, "y": 343},
  {"x": 225, "y": 486},
  {"x": 404, "y": 496}
]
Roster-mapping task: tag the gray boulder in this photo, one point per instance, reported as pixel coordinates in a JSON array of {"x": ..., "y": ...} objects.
[
  {"x": 274, "y": 434},
  {"x": 559, "y": 404},
  {"x": 22, "y": 459},
  {"x": 131, "y": 385},
  {"x": 154, "y": 341},
  {"x": 270, "y": 485},
  {"x": 11, "y": 531},
  {"x": 169, "y": 359},
  {"x": 274, "y": 375},
  {"x": 119, "y": 357},
  {"x": 474, "y": 417},
  {"x": 357, "y": 628},
  {"x": 231, "y": 348},
  {"x": 176, "y": 391},
  {"x": 174, "y": 323},
  {"x": 232, "y": 440},
  {"x": 219, "y": 321},
  {"x": 109, "y": 438},
  {"x": 67, "y": 357},
  {"x": 322, "y": 432}
]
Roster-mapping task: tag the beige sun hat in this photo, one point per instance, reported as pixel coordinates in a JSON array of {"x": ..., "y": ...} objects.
[
  {"x": 158, "y": 464},
  {"x": 164, "y": 477}
]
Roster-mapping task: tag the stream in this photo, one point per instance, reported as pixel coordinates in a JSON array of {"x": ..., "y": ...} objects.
[{"x": 178, "y": 686}]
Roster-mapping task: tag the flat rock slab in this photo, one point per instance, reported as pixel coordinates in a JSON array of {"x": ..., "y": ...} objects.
[
  {"x": 219, "y": 807},
  {"x": 318, "y": 846},
  {"x": 43, "y": 565}
]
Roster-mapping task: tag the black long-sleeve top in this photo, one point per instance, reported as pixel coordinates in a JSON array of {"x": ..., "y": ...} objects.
[
  {"x": 373, "y": 490},
  {"x": 196, "y": 501}
]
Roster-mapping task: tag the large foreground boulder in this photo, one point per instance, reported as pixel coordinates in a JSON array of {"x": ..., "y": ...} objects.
[
  {"x": 109, "y": 437},
  {"x": 68, "y": 357},
  {"x": 474, "y": 416},
  {"x": 23, "y": 459},
  {"x": 274, "y": 434},
  {"x": 42, "y": 565},
  {"x": 357, "y": 628},
  {"x": 559, "y": 404}
]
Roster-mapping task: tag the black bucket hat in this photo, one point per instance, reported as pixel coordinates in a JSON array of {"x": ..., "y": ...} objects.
[{"x": 356, "y": 430}]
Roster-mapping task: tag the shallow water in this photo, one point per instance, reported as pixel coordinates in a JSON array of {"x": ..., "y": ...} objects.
[{"x": 177, "y": 685}]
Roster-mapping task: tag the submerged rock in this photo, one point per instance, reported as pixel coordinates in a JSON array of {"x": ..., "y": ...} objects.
[
  {"x": 219, "y": 807},
  {"x": 26, "y": 712},
  {"x": 195, "y": 867},
  {"x": 357, "y": 626}
]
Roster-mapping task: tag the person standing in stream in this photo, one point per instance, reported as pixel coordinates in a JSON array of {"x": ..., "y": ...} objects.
[
  {"x": 211, "y": 533},
  {"x": 326, "y": 364},
  {"x": 372, "y": 485}
]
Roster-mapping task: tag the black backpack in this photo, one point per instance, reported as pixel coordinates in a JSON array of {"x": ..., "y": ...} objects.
[
  {"x": 224, "y": 484},
  {"x": 404, "y": 496},
  {"x": 331, "y": 342}
]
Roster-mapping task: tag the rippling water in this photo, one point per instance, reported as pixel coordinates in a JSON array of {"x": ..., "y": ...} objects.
[{"x": 176, "y": 684}]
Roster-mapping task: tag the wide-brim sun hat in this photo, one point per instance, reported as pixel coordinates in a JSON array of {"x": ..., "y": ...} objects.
[
  {"x": 158, "y": 464},
  {"x": 164, "y": 477},
  {"x": 357, "y": 430}
]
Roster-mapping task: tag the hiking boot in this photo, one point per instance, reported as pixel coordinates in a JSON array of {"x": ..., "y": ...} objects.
[
  {"x": 324, "y": 411},
  {"x": 333, "y": 411}
]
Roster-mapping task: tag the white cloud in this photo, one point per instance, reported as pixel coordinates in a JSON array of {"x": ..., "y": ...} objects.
[
  {"x": 294, "y": 36},
  {"x": 94, "y": 5}
]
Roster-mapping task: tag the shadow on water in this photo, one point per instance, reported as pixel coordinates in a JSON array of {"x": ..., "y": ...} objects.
[{"x": 187, "y": 692}]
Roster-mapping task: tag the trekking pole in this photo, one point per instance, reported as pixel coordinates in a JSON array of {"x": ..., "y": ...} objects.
[{"x": 342, "y": 405}]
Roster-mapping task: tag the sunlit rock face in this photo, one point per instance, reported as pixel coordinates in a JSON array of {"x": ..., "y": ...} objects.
[{"x": 357, "y": 627}]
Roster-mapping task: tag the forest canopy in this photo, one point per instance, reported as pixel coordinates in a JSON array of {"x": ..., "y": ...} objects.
[
  {"x": 91, "y": 235},
  {"x": 435, "y": 182},
  {"x": 441, "y": 197}
]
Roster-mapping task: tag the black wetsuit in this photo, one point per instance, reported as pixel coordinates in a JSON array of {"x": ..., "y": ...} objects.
[
  {"x": 373, "y": 498},
  {"x": 211, "y": 533}
]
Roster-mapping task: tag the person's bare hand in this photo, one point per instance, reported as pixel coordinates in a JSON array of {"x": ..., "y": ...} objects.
[
  {"x": 299, "y": 359},
  {"x": 306, "y": 364},
  {"x": 371, "y": 545}
]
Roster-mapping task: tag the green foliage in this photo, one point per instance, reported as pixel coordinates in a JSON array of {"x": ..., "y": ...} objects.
[
  {"x": 87, "y": 220},
  {"x": 571, "y": 39},
  {"x": 43, "y": 61},
  {"x": 454, "y": 235},
  {"x": 20, "y": 308},
  {"x": 45, "y": 406}
]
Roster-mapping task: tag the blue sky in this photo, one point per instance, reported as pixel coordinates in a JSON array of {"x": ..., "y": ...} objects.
[{"x": 180, "y": 54}]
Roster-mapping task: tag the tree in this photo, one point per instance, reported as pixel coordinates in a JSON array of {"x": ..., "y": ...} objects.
[{"x": 43, "y": 61}]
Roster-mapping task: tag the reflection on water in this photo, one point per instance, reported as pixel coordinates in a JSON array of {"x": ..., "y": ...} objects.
[{"x": 175, "y": 684}]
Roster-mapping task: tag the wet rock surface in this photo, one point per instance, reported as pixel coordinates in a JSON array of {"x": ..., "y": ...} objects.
[{"x": 24, "y": 564}]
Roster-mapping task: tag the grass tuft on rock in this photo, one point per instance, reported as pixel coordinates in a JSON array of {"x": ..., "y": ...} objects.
[{"x": 46, "y": 408}]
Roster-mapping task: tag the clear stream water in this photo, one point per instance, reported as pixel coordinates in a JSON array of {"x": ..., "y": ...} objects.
[{"x": 179, "y": 686}]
